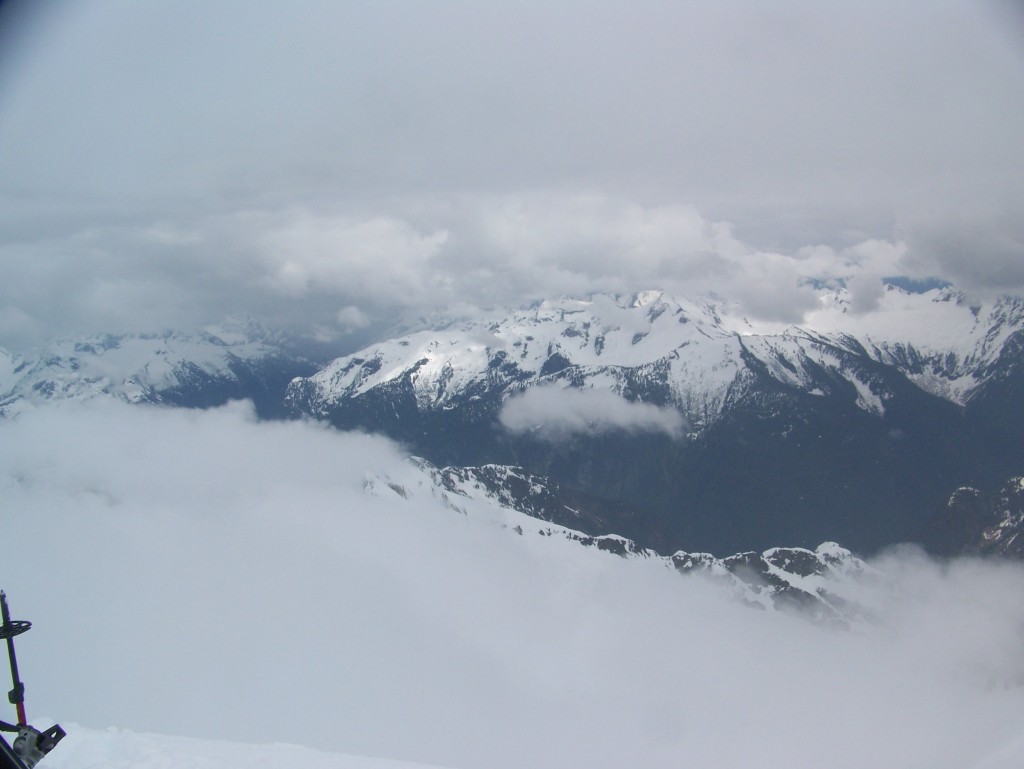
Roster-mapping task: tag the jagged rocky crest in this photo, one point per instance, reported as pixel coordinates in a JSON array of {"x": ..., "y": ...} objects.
[{"x": 819, "y": 584}]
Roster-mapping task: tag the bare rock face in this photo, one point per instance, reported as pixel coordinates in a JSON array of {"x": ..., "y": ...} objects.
[
  {"x": 958, "y": 528},
  {"x": 974, "y": 523},
  {"x": 1005, "y": 537},
  {"x": 812, "y": 582}
]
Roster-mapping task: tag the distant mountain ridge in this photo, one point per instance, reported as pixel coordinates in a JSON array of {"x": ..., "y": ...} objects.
[
  {"x": 231, "y": 362},
  {"x": 850, "y": 427},
  {"x": 945, "y": 345}
]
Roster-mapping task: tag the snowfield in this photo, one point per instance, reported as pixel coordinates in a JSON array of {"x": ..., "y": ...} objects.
[{"x": 118, "y": 749}]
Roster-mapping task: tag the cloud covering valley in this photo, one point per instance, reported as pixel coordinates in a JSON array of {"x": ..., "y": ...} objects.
[{"x": 201, "y": 573}]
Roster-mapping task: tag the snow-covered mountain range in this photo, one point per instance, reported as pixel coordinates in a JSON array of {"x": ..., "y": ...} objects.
[
  {"x": 233, "y": 361},
  {"x": 717, "y": 431},
  {"x": 690, "y": 353},
  {"x": 675, "y": 422}
]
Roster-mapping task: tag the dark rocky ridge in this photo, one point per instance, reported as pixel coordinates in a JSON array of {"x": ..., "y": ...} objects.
[
  {"x": 974, "y": 523},
  {"x": 818, "y": 584}
]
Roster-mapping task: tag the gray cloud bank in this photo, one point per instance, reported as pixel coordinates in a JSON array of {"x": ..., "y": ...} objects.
[
  {"x": 204, "y": 574},
  {"x": 333, "y": 166}
]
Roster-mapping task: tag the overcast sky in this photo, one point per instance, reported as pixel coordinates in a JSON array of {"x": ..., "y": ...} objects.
[{"x": 329, "y": 165}]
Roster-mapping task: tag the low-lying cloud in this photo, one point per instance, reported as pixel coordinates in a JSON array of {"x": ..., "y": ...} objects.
[
  {"x": 204, "y": 574},
  {"x": 555, "y": 413}
]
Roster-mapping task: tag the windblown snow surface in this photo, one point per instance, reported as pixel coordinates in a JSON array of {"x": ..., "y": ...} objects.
[
  {"x": 119, "y": 749},
  {"x": 247, "y": 586}
]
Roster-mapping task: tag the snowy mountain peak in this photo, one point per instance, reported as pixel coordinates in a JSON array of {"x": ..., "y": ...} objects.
[
  {"x": 644, "y": 298},
  {"x": 695, "y": 350},
  {"x": 167, "y": 367}
]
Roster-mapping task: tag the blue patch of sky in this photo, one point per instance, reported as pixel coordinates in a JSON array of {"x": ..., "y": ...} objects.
[{"x": 914, "y": 285}]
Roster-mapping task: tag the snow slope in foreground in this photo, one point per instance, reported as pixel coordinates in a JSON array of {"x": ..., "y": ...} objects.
[{"x": 118, "y": 749}]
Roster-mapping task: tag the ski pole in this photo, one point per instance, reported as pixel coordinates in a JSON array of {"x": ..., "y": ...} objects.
[{"x": 10, "y": 629}]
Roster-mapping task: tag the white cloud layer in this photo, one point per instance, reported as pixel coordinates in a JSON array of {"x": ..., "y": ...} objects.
[
  {"x": 556, "y": 413},
  {"x": 298, "y": 267},
  {"x": 202, "y": 574},
  {"x": 381, "y": 256}
]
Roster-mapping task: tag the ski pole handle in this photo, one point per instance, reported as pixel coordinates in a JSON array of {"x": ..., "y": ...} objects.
[{"x": 10, "y": 629}]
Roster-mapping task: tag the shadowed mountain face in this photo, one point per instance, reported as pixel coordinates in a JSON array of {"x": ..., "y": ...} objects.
[
  {"x": 799, "y": 436},
  {"x": 778, "y": 465}
]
